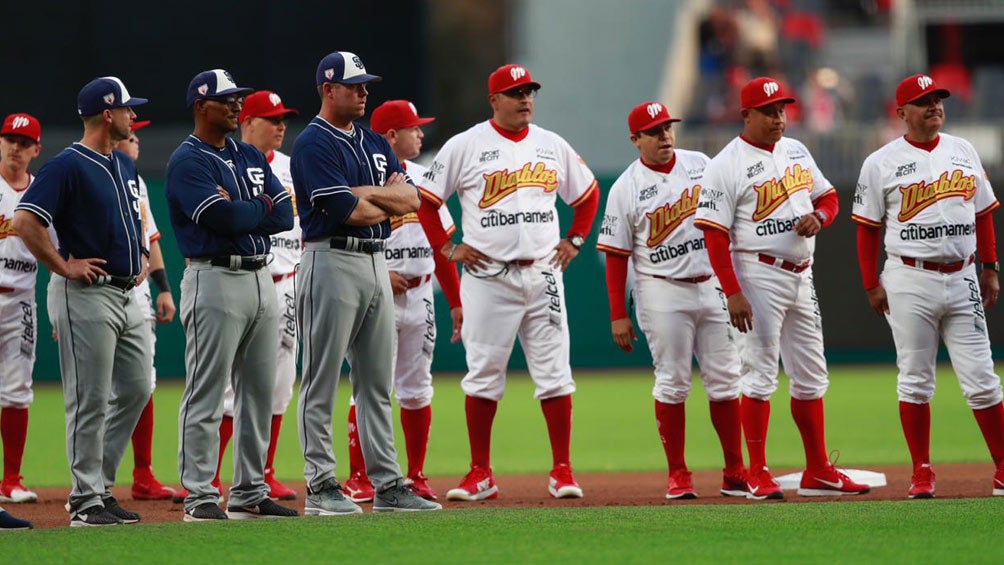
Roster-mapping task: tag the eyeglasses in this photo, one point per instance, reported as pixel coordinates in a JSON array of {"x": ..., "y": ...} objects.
[
  {"x": 228, "y": 100},
  {"x": 520, "y": 93}
]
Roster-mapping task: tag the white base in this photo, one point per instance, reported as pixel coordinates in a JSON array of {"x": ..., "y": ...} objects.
[{"x": 791, "y": 481}]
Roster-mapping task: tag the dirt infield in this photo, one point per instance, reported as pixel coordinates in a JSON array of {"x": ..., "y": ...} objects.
[{"x": 971, "y": 480}]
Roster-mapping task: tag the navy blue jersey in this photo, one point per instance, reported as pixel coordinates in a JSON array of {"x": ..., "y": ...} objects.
[
  {"x": 326, "y": 164},
  {"x": 206, "y": 224},
  {"x": 92, "y": 201}
]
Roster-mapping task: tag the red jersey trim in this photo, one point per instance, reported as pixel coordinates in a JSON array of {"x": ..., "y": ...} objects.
[
  {"x": 865, "y": 221},
  {"x": 613, "y": 250},
  {"x": 431, "y": 197},
  {"x": 988, "y": 209},
  {"x": 515, "y": 136},
  {"x": 588, "y": 193},
  {"x": 708, "y": 224}
]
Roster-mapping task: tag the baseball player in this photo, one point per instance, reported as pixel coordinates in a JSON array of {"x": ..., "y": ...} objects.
[
  {"x": 764, "y": 196},
  {"x": 263, "y": 125},
  {"x": 930, "y": 192},
  {"x": 10, "y": 523},
  {"x": 681, "y": 307},
  {"x": 145, "y": 485},
  {"x": 90, "y": 194},
  {"x": 411, "y": 263},
  {"x": 348, "y": 185},
  {"x": 20, "y": 142},
  {"x": 508, "y": 174},
  {"x": 225, "y": 202}
]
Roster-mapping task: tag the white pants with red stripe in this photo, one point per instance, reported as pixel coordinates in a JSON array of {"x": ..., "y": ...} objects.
[{"x": 18, "y": 335}]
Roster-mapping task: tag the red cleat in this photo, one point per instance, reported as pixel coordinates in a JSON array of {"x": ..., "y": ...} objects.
[
  {"x": 681, "y": 485},
  {"x": 478, "y": 484},
  {"x": 277, "y": 490},
  {"x": 999, "y": 480},
  {"x": 734, "y": 484},
  {"x": 762, "y": 486},
  {"x": 561, "y": 483},
  {"x": 146, "y": 487},
  {"x": 922, "y": 482},
  {"x": 13, "y": 490},
  {"x": 419, "y": 484},
  {"x": 359, "y": 488},
  {"x": 829, "y": 482}
]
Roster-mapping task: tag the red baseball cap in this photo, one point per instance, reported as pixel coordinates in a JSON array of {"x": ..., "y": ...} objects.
[
  {"x": 647, "y": 115},
  {"x": 762, "y": 91},
  {"x": 918, "y": 86},
  {"x": 508, "y": 77},
  {"x": 396, "y": 114},
  {"x": 24, "y": 125},
  {"x": 139, "y": 125},
  {"x": 264, "y": 104}
]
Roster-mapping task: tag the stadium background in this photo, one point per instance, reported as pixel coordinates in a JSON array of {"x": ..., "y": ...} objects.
[{"x": 595, "y": 59}]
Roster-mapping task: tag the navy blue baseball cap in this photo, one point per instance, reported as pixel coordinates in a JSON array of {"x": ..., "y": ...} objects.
[
  {"x": 103, "y": 94},
  {"x": 213, "y": 84},
  {"x": 344, "y": 68}
]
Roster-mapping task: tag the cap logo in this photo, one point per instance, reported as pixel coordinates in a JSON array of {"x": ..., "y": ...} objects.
[
  {"x": 653, "y": 110},
  {"x": 517, "y": 73},
  {"x": 203, "y": 89},
  {"x": 274, "y": 99},
  {"x": 924, "y": 81},
  {"x": 19, "y": 122},
  {"x": 769, "y": 88},
  {"x": 413, "y": 109},
  {"x": 329, "y": 73},
  {"x": 358, "y": 63}
]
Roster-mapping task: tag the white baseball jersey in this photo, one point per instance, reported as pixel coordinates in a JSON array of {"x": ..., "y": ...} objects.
[
  {"x": 152, "y": 234},
  {"x": 649, "y": 216},
  {"x": 758, "y": 196},
  {"x": 507, "y": 188},
  {"x": 927, "y": 200},
  {"x": 17, "y": 265},
  {"x": 286, "y": 246},
  {"x": 407, "y": 250}
]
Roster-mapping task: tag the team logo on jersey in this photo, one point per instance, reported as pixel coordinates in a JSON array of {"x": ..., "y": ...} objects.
[
  {"x": 6, "y": 227},
  {"x": 920, "y": 195},
  {"x": 487, "y": 156},
  {"x": 257, "y": 178},
  {"x": 772, "y": 193},
  {"x": 666, "y": 218},
  {"x": 501, "y": 184},
  {"x": 19, "y": 122},
  {"x": 398, "y": 221},
  {"x": 380, "y": 162},
  {"x": 907, "y": 169},
  {"x": 769, "y": 88}
]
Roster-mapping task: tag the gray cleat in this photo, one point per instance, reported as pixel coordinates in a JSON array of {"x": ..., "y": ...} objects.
[
  {"x": 328, "y": 500},
  {"x": 400, "y": 498}
]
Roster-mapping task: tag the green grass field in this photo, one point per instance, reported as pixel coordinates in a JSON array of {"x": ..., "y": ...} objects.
[{"x": 614, "y": 431}]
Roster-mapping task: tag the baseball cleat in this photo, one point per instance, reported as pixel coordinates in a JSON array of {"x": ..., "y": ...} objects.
[
  {"x": 96, "y": 515},
  {"x": 8, "y": 522},
  {"x": 734, "y": 484},
  {"x": 680, "y": 486},
  {"x": 205, "y": 512},
  {"x": 328, "y": 500},
  {"x": 400, "y": 498},
  {"x": 922, "y": 482},
  {"x": 264, "y": 509},
  {"x": 762, "y": 486},
  {"x": 999, "y": 481},
  {"x": 561, "y": 483},
  {"x": 12, "y": 490},
  {"x": 359, "y": 488},
  {"x": 146, "y": 487},
  {"x": 277, "y": 490},
  {"x": 478, "y": 484},
  {"x": 419, "y": 484},
  {"x": 112, "y": 507},
  {"x": 829, "y": 482}
]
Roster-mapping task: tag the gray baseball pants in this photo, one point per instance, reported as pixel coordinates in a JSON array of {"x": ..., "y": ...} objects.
[
  {"x": 230, "y": 320},
  {"x": 346, "y": 311},
  {"x": 104, "y": 358}
]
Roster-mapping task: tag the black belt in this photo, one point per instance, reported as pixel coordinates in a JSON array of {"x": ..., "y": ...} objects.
[
  {"x": 238, "y": 263},
  {"x": 121, "y": 283},
  {"x": 356, "y": 244}
]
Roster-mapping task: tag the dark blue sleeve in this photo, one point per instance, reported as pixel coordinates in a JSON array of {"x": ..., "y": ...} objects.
[
  {"x": 44, "y": 196},
  {"x": 322, "y": 178},
  {"x": 191, "y": 183},
  {"x": 281, "y": 218}
]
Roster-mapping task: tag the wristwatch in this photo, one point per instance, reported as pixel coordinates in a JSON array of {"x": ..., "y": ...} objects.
[
  {"x": 576, "y": 240},
  {"x": 995, "y": 266}
]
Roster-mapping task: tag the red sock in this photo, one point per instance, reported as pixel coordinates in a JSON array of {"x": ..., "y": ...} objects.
[
  {"x": 991, "y": 421},
  {"x": 725, "y": 416},
  {"x": 756, "y": 416},
  {"x": 808, "y": 416},
  {"x": 356, "y": 462},
  {"x": 14, "y": 431},
  {"x": 416, "y": 425},
  {"x": 480, "y": 415},
  {"x": 558, "y": 415},
  {"x": 273, "y": 442},
  {"x": 916, "y": 421},
  {"x": 142, "y": 439},
  {"x": 671, "y": 420},
  {"x": 226, "y": 432}
]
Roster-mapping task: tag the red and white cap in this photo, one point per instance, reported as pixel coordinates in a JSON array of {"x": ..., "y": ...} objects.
[
  {"x": 647, "y": 115},
  {"x": 24, "y": 125},
  {"x": 508, "y": 77},
  {"x": 264, "y": 104},
  {"x": 139, "y": 125},
  {"x": 762, "y": 91},
  {"x": 918, "y": 86},
  {"x": 396, "y": 114}
]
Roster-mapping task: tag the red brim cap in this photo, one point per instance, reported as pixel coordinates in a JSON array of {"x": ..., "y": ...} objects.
[
  {"x": 918, "y": 86},
  {"x": 396, "y": 114},
  {"x": 24, "y": 125},
  {"x": 762, "y": 91},
  {"x": 139, "y": 125},
  {"x": 264, "y": 104},
  {"x": 508, "y": 77},
  {"x": 647, "y": 115}
]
